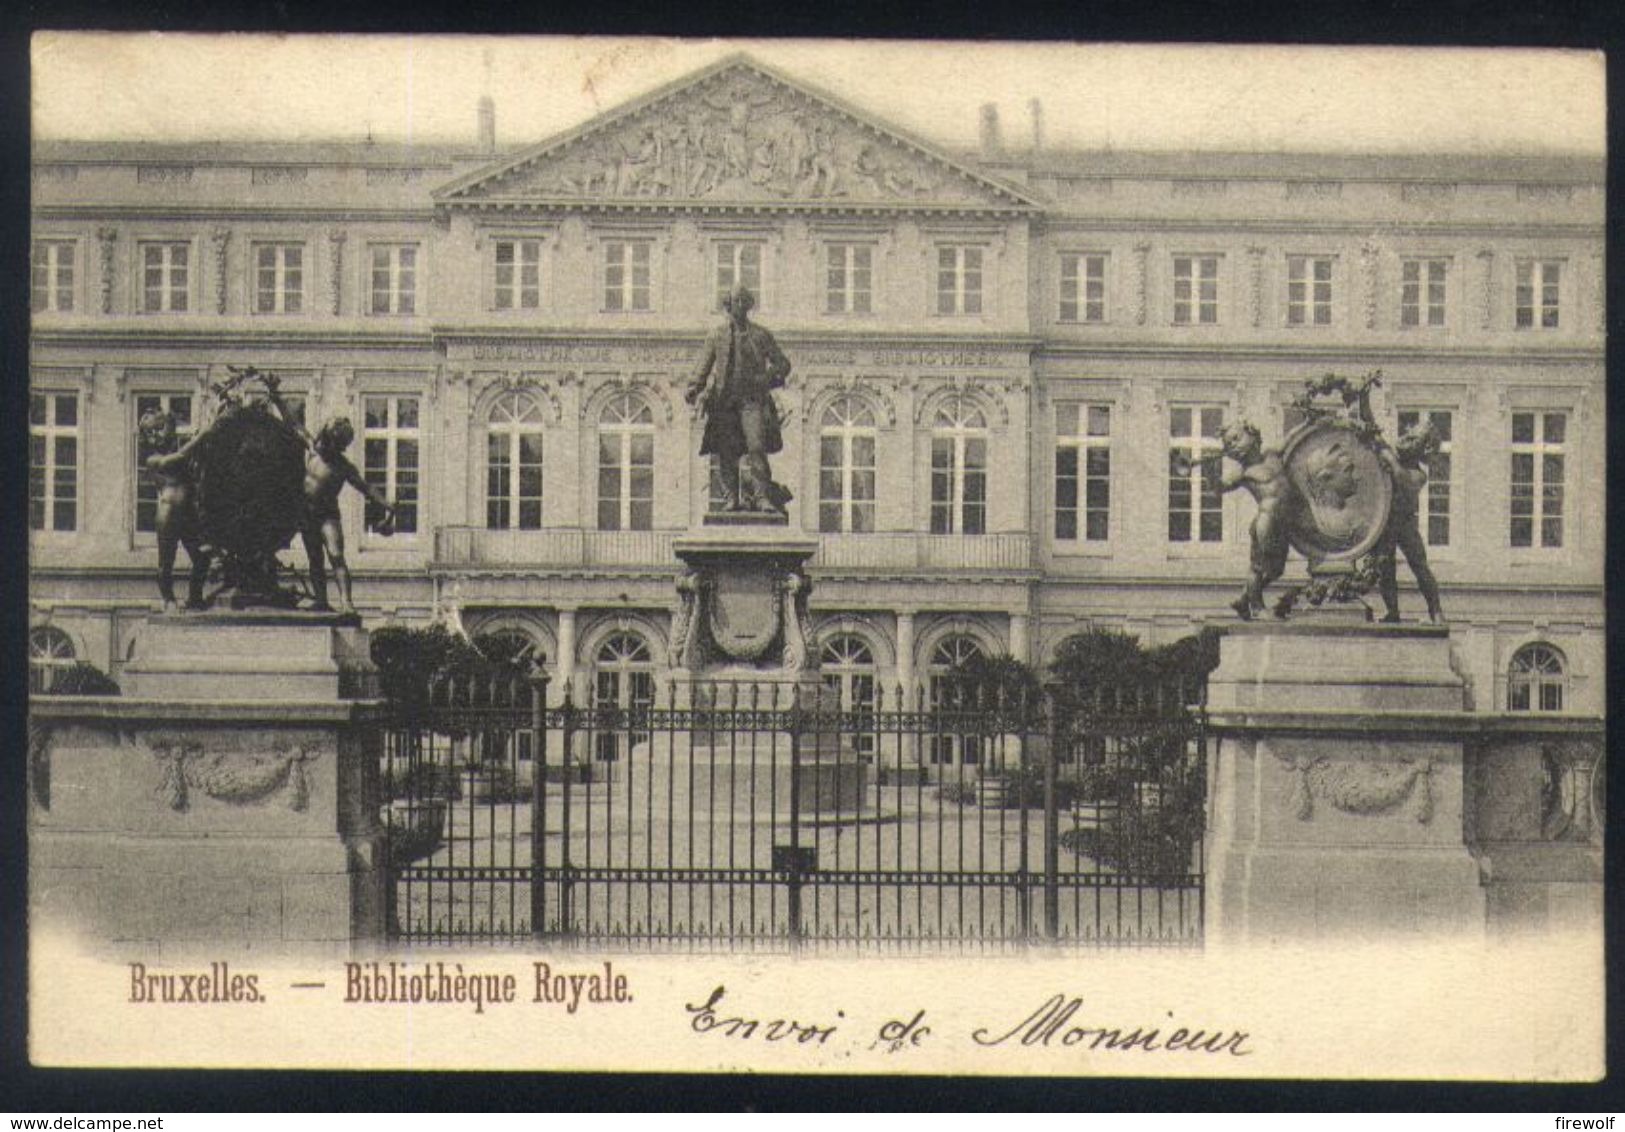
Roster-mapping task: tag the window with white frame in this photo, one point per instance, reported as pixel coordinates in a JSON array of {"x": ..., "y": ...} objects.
[
  {"x": 1434, "y": 505},
  {"x": 1536, "y": 679},
  {"x": 627, "y": 275},
  {"x": 1083, "y": 287},
  {"x": 391, "y": 457},
  {"x": 166, "y": 277},
  {"x": 50, "y": 655},
  {"x": 1195, "y": 504},
  {"x": 623, "y": 679},
  {"x": 849, "y": 278},
  {"x": 1539, "y": 294},
  {"x": 950, "y": 691},
  {"x": 739, "y": 262},
  {"x": 513, "y": 464},
  {"x": 1309, "y": 290},
  {"x": 51, "y": 276},
  {"x": 1083, "y": 472},
  {"x": 53, "y": 461},
  {"x": 1422, "y": 292},
  {"x": 1539, "y": 451},
  {"x": 846, "y": 666},
  {"x": 394, "y": 275},
  {"x": 959, "y": 279},
  {"x": 181, "y": 408},
  {"x": 279, "y": 278},
  {"x": 516, "y": 279},
  {"x": 959, "y": 468},
  {"x": 1196, "y": 290},
  {"x": 626, "y": 464},
  {"x": 846, "y": 466}
]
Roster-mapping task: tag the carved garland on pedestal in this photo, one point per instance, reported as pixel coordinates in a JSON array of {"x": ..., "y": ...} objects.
[
  {"x": 236, "y": 778},
  {"x": 1362, "y": 788}
]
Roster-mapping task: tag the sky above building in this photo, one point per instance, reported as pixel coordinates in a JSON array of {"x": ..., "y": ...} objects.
[{"x": 99, "y": 86}]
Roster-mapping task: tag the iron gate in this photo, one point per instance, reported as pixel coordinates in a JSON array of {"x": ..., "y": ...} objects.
[{"x": 761, "y": 817}]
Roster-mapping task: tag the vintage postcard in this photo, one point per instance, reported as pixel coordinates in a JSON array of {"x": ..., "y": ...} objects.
[{"x": 816, "y": 557}]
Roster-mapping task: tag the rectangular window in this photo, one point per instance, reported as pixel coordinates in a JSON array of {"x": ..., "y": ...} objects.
[
  {"x": 1539, "y": 284},
  {"x": 179, "y": 406},
  {"x": 958, "y": 485},
  {"x": 1434, "y": 509},
  {"x": 846, "y": 480},
  {"x": 1421, "y": 292},
  {"x": 1083, "y": 287},
  {"x": 394, "y": 279},
  {"x": 517, "y": 283},
  {"x": 1083, "y": 472},
  {"x": 626, "y": 275},
  {"x": 166, "y": 278},
  {"x": 51, "y": 278},
  {"x": 1196, "y": 290},
  {"x": 279, "y": 278},
  {"x": 739, "y": 263},
  {"x": 1308, "y": 290},
  {"x": 626, "y": 479},
  {"x": 391, "y": 457},
  {"x": 1195, "y": 506},
  {"x": 959, "y": 280},
  {"x": 1538, "y": 449},
  {"x": 53, "y": 461},
  {"x": 849, "y": 285}
]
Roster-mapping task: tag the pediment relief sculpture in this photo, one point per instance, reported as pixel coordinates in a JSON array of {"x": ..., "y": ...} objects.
[{"x": 738, "y": 135}]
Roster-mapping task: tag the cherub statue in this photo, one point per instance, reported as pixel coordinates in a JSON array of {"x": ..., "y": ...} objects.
[
  {"x": 327, "y": 470},
  {"x": 177, "y": 519},
  {"x": 1262, "y": 472},
  {"x": 1407, "y": 462}
]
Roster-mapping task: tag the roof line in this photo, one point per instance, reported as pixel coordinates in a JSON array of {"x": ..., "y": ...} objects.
[{"x": 737, "y": 59}]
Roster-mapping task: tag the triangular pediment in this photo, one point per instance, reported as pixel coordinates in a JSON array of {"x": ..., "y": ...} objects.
[{"x": 736, "y": 134}]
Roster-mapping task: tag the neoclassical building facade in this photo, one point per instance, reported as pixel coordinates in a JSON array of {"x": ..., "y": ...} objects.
[{"x": 999, "y": 359}]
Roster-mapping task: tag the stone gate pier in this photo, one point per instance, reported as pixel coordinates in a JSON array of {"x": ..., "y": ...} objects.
[
  {"x": 1351, "y": 795},
  {"x": 227, "y": 799}
]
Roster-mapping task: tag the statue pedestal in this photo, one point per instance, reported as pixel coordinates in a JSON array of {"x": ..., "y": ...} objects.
[
  {"x": 251, "y": 655},
  {"x": 742, "y": 648},
  {"x": 228, "y": 801},
  {"x": 1335, "y": 786}
]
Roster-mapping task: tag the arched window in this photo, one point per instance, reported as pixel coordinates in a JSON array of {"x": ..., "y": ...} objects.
[
  {"x": 510, "y": 645},
  {"x": 948, "y": 659},
  {"x": 513, "y": 464},
  {"x": 958, "y": 468},
  {"x": 50, "y": 653},
  {"x": 1536, "y": 679},
  {"x": 846, "y": 466},
  {"x": 623, "y": 678},
  {"x": 626, "y": 464},
  {"x": 847, "y": 666}
]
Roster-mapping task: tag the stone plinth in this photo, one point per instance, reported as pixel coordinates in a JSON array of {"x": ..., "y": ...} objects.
[
  {"x": 250, "y": 655},
  {"x": 1336, "y": 786},
  {"x": 742, "y": 642},
  {"x": 181, "y": 825}
]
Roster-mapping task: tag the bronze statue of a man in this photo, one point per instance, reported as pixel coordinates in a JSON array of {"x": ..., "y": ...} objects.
[
  {"x": 736, "y": 374},
  {"x": 1407, "y": 461},
  {"x": 327, "y": 470},
  {"x": 177, "y": 517}
]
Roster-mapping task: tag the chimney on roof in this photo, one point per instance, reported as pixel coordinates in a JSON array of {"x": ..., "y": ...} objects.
[
  {"x": 1037, "y": 109},
  {"x": 991, "y": 146},
  {"x": 488, "y": 124}
]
